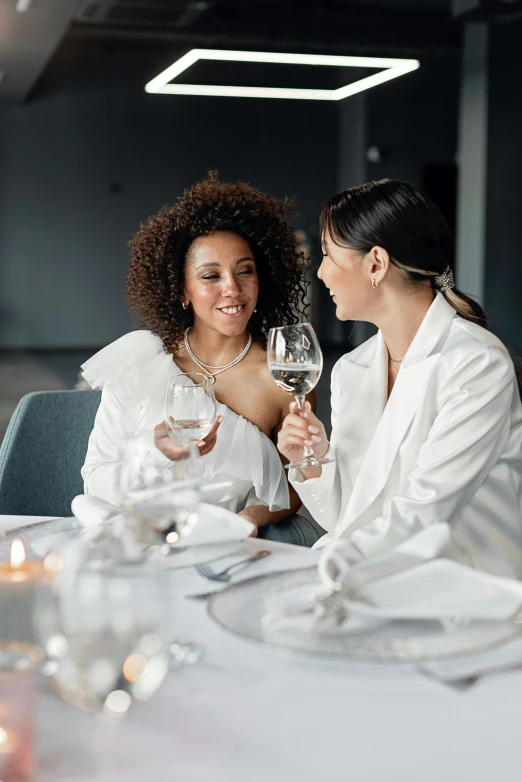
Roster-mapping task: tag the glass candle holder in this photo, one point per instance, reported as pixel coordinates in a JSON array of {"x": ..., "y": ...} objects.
[
  {"x": 19, "y": 664},
  {"x": 19, "y": 579}
]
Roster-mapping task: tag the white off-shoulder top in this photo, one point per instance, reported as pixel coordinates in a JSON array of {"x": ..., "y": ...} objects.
[{"x": 133, "y": 373}]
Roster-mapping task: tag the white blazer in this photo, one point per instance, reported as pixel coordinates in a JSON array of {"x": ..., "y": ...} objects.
[{"x": 446, "y": 447}]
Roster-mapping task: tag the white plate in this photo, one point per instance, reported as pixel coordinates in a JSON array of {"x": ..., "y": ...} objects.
[
  {"x": 44, "y": 536},
  {"x": 199, "y": 555},
  {"x": 240, "y": 608}
]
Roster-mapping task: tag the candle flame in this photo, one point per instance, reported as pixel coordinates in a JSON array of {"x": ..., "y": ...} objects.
[{"x": 17, "y": 553}]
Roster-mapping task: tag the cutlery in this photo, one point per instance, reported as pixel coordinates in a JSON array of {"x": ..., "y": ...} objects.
[
  {"x": 203, "y": 595},
  {"x": 207, "y": 571},
  {"x": 465, "y": 682}
]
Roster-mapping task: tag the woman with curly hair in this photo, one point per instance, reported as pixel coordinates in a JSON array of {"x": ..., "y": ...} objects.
[{"x": 208, "y": 278}]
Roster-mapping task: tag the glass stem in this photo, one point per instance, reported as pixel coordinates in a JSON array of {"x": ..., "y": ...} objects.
[{"x": 301, "y": 405}]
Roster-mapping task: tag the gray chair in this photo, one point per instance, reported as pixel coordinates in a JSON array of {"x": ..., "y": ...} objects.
[{"x": 44, "y": 449}]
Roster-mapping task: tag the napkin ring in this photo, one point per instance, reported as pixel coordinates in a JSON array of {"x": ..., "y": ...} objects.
[{"x": 329, "y": 604}]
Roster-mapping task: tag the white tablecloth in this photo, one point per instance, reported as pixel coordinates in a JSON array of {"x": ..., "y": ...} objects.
[{"x": 249, "y": 713}]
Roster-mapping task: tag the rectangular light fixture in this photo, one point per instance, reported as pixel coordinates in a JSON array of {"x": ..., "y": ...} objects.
[{"x": 391, "y": 69}]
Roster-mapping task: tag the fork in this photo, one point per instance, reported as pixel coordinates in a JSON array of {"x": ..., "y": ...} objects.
[
  {"x": 207, "y": 571},
  {"x": 466, "y": 682}
]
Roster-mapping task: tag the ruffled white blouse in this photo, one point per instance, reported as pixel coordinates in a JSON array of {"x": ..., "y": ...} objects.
[{"x": 133, "y": 373}]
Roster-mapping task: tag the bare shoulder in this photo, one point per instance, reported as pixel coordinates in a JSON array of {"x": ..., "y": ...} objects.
[
  {"x": 275, "y": 396},
  {"x": 277, "y": 399},
  {"x": 259, "y": 364}
]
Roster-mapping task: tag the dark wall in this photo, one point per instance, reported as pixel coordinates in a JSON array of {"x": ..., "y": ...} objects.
[
  {"x": 503, "y": 243},
  {"x": 415, "y": 124},
  {"x": 92, "y": 154}
]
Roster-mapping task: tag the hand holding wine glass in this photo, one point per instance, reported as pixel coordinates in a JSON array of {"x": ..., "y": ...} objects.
[
  {"x": 299, "y": 431},
  {"x": 296, "y": 362},
  {"x": 190, "y": 406},
  {"x": 170, "y": 448}
]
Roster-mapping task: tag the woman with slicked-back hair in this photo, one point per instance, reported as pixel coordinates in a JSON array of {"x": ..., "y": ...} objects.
[{"x": 426, "y": 415}]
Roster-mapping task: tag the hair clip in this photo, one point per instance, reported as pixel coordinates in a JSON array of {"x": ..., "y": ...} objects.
[{"x": 444, "y": 281}]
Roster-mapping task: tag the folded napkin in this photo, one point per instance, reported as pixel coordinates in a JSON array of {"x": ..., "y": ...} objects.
[
  {"x": 214, "y": 525},
  {"x": 92, "y": 511},
  {"x": 411, "y": 582}
]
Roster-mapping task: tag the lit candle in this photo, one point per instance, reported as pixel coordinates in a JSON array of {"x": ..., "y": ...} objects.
[{"x": 19, "y": 580}]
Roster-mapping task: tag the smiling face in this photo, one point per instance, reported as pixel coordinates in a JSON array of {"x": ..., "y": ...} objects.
[
  {"x": 221, "y": 282},
  {"x": 345, "y": 273}
]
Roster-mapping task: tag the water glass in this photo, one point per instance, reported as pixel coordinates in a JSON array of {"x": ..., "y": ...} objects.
[
  {"x": 160, "y": 498},
  {"x": 108, "y": 633},
  {"x": 190, "y": 406}
]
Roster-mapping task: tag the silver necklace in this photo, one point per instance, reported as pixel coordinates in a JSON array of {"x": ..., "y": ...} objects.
[{"x": 207, "y": 367}]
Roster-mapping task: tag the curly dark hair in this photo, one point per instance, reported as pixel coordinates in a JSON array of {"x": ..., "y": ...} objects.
[{"x": 159, "y": 249}]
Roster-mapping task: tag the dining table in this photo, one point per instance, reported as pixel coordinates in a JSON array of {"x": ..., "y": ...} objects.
[{"x": 248, "y": 711}]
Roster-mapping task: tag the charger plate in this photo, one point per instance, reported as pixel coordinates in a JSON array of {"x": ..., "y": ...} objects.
[
  {"x": 240, "y": 609},
  {"x": 42, "y": 537}
]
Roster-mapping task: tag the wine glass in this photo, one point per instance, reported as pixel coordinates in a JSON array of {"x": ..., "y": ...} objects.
[
  {"x": 160, "y": 499},
  {"x": 190, "y": 406},
  {"x": 107, "y": 630},
  {"x": 161, "y": 504},
  {"x": 296, "y": 362}
]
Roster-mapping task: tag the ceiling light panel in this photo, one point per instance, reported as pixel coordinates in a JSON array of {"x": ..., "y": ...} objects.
[{"x": 391, "y": 68}]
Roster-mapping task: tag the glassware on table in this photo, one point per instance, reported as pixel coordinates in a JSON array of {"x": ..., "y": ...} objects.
[
  {"x": 160, "y": 499},
  {"x": 108, "y": 631},
  {"x": 161, "y": 504},
  {"x": 190, "y": 406},
  {"x": 19, "y": 663},
  {"x": 295, "y": 361}
]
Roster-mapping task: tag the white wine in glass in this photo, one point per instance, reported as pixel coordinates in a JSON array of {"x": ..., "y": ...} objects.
[
  {"x": 190, "y": 406},
  {"x": 295, "y": 361}
]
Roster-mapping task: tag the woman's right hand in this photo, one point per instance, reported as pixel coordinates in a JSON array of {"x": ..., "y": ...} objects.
[{"x": 301, "y": 428}]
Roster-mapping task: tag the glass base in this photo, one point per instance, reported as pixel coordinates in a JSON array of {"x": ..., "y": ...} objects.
[
  {"x": 184, "y": 653},
  {"x": 308, "y": 461}
]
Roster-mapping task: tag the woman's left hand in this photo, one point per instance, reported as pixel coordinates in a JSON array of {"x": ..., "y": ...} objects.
[{"x": 208, "y": 442}]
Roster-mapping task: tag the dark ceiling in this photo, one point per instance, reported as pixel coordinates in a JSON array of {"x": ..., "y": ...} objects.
[
  {"x": 401, "y": 28},
  {"x": 405, "y": 26}
]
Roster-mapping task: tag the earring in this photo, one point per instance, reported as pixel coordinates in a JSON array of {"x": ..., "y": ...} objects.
[
  {"x": 255, "y": 311},
  {"x": 374, "y": 283},
  {"x": 184, "y": 305}
]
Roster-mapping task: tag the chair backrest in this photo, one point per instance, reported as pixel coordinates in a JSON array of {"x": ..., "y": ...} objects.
[{"x": 43, "y": 451}]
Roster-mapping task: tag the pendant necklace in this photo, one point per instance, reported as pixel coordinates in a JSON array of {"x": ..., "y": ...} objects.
[{"x": 207, "y": 367}]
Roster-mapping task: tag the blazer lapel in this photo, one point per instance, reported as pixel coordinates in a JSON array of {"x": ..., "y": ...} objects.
[
  {"x": 375, "y": 462},
  {"x": 365, "y": 378}
]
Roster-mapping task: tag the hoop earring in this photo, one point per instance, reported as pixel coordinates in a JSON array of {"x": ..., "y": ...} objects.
[
  {"x": 374, "y": 283},
  {"x": 184, "y": 305}
]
